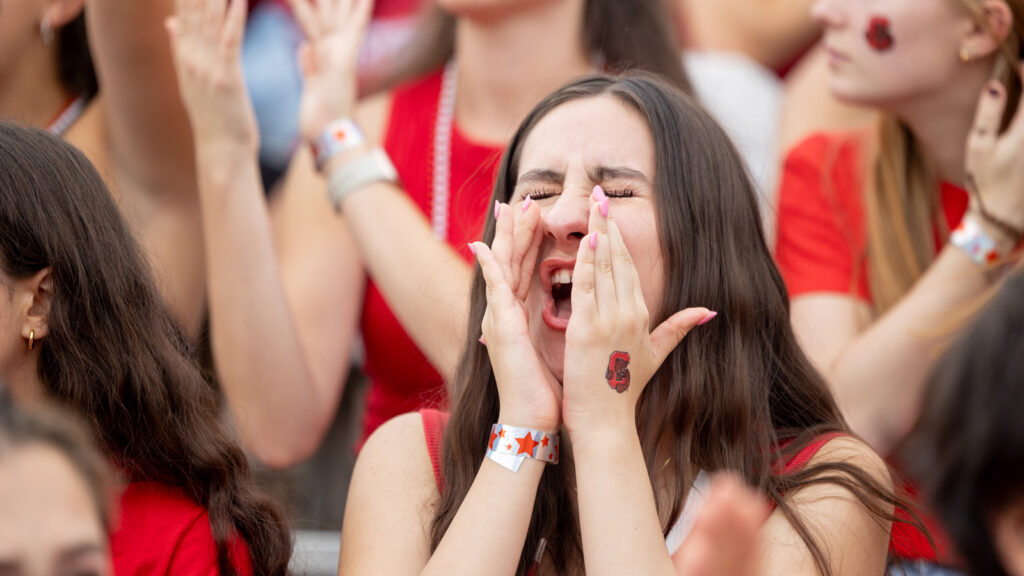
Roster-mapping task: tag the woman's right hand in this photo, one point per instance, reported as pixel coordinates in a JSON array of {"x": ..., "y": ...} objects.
[
  {"x": 206, "y": 39},
  {"x": 528, "y": 392},
  {"x": 334, "y": 32},
  {"x": 993, "y": 160}
]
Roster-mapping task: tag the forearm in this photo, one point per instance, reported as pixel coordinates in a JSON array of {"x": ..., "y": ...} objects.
[
  {"x": 618, "y": 516},
  {"x": 149, "y": 137},
  {"x": 279, "y": 410},
  {"x": 879, "y": 377},
  {"x": 425, "y": 282},
  {"x": 487, "y": 535}
]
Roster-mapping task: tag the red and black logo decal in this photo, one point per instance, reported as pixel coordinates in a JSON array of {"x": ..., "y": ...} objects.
[
  {"x": 879, "y": 34},
  {"x": 618, "y": 371}
]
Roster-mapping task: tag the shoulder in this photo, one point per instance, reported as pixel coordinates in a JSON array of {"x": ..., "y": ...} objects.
[
  {"x": 162, "y": 530},
  {"x": 400, "y": 445},
  {"x": 853, "y": 538},
  {"x": 848, "y": 449},
  {"x": 392, "y": 501}
]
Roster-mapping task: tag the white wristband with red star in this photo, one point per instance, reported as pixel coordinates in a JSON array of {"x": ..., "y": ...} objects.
[{"x": 510, "y": 445}]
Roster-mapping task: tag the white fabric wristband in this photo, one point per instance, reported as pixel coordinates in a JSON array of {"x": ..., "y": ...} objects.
[
  {"x": 373, "y": 166},
  {"x": 510, "y": 445}
]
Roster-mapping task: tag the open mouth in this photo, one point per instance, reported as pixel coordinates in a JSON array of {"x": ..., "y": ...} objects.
[{"x": 558, "y": 308}]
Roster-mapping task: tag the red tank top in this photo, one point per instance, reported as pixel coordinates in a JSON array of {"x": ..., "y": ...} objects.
[
  {"x": 402, "y": 378},
  {"x": 904, "y": 536}
]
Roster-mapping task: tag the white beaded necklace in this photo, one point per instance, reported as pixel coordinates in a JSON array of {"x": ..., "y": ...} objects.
[
  {"x": 67, "y": 117},
  {"x": 444, "y": 125}
]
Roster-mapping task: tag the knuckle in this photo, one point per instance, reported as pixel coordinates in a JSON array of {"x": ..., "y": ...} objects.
[
  {"x": 604, "y": 265},
  {"x": 586, "y": 286}
]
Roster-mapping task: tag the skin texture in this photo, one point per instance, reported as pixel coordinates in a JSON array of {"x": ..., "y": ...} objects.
[
  {"x": 549, "y": 377},
  {"x": 946, "y": 104},
  {"x": 50, "y": 525}
]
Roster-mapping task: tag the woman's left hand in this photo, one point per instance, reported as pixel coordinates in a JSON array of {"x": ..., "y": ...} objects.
[
  {"x": 610, "y": 351},
  {"x": 334, "y": 32}
]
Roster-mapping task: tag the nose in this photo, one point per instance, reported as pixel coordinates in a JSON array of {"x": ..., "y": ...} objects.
[
  {"x": 567, "y": 219},
  {"x": 828, "y": 13}
]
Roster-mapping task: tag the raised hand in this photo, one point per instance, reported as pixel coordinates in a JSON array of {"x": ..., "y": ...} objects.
[
  {"x": 334, "y": 32},
  {"x": 994, "y": 167},
  {"x": 610, "y": 351},
  {"x": 206, "y": 38},
  {"x": 725, "y": 539},
  {"x": 528, "y": 392}
]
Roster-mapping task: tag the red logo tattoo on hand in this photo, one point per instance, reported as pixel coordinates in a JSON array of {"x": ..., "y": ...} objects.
[
  {"x": 879, "y": 35},
  {"x": 618, "y": 371}
]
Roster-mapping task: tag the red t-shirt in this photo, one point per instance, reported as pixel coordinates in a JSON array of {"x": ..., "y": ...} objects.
[
  {"x": 821, "y": 247},
  {"x": 402, "y": 378},
  {"x": 162, "y": 531},
  {"x": 821, "y": 242}
]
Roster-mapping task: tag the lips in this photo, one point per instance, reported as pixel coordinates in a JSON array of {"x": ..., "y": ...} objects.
[{"x": 556, "y": 280}]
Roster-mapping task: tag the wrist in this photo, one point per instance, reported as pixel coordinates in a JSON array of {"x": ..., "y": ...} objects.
[
  {"x": 526, "y": 418},
  {"x": 604, "y": 438}
]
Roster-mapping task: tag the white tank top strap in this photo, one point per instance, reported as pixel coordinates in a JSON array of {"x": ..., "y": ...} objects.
[{"x": 694, "y": 504}]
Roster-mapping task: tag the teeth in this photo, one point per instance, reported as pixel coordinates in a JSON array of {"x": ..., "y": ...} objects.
[{"x": 563, "y": 276}]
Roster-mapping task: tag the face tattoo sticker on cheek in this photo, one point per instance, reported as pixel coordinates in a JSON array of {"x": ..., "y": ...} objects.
[
  {"x": 618, "y": 371},
  {"x": 879, "y": 34}
]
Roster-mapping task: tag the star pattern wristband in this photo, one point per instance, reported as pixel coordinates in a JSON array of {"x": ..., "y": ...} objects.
[
  {"x": 510, "y": 445},
  {"x": 335, "y": 138}
]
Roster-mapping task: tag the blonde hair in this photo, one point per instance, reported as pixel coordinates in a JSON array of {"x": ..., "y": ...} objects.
[{"x": 902, "y": 209}]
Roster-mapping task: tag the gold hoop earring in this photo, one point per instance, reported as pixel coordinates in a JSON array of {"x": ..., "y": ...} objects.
[
  {"x": 965, "y": 54},
  {"x": 31, "y": 340}
]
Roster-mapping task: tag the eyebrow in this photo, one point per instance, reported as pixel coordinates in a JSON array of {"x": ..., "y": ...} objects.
[{"x": 597, "y": 174}]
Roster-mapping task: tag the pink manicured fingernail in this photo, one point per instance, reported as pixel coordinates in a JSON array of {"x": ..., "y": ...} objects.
[
  {"x": 472, "y": 249},
  {"x": 481, "y": 340},
  {"x": 593, "y": 241},
  {"x": 526, "y": 205},
  {"x": 497, "y": 209},
  {"x": 707, "y": 319},
  {"x": 599, "y": 193},
  {"x": 603, "y": 207}
]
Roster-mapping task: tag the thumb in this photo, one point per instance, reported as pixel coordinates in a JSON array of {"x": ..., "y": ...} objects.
[{"x": 671, "y": 332}]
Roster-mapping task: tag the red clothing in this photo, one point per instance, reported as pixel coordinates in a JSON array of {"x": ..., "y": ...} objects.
[
  {"x": 822, "y": 240},
  {"x": 162, "y": 531},
  {"x": 821, "y": 247},
  {"x": 402, "y": 378}
]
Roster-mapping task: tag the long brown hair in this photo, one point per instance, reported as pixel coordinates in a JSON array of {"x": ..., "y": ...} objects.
[
  {"x": 113, "y": 353},
  {"x": 739, "y": 395},
  {"x": 626, "y": 34},
  {"x": 901, "y": 203}
]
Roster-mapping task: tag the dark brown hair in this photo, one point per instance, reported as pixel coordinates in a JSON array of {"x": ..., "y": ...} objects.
[
  {"x": 738, "y": 394},
  {"x": 626, "y": 34},
  {"x": 113, "y": 353},
  {"x": 968, "y": 444},
  {"x": 44, "y": 426}
]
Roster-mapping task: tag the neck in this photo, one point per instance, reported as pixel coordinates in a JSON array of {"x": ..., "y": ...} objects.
[
  {"x": 32, "y": 93},
  {"x": 942, "y": 122},
  {"x": 508, "y": 64}
]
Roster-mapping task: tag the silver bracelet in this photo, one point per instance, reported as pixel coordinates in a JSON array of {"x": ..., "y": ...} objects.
[{"x": 373, "y": 166}]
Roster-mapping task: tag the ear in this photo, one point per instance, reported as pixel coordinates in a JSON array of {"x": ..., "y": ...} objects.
[
  {"x": 1008, "y": 532},
  {"x": 986, "y": 37},
  {"x": 34, "y": 295},
  {"x": 60, "y": 13}
]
